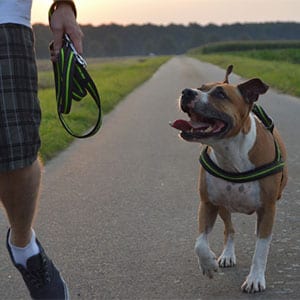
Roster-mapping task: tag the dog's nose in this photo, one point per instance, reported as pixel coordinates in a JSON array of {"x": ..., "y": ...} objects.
[
  {"x": 189, "y": 93},
  {"x": 187, "y": 96}
]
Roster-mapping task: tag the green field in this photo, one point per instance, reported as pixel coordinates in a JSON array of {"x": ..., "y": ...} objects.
[
  {"x": 278, "y": 64},
  {"x": 114, "y": 78}
]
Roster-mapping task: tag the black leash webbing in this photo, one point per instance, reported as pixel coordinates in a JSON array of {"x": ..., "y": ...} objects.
[{"x": 73, "y": 82}]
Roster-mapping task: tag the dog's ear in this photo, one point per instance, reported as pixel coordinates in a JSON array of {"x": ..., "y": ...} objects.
[
  {"x": 228, "y": 72},
  {"x": 251, "y": 89}
]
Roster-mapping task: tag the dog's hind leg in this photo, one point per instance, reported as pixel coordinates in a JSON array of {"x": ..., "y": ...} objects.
[
  {"x": 207, "y": 259},
  {"x": 227, "y": 258}
]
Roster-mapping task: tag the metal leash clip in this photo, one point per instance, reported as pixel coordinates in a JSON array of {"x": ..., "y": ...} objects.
[{"x": 78, "y": 57}]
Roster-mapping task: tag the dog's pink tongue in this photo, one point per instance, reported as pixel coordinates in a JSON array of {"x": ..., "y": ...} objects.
[{"x": 181, "y": 125}]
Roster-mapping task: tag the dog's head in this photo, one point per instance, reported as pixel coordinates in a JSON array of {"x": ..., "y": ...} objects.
[{"x": 217, "y": 110}]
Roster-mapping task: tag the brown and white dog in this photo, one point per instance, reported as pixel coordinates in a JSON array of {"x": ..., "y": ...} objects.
[{"x": 221, "y": 117}]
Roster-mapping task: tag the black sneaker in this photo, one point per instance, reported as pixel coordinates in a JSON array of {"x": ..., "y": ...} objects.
[{"x": 41, "y": 276}]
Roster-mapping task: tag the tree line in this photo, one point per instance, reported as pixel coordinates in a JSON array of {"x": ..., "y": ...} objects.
[{"x": 117, "y": 40}]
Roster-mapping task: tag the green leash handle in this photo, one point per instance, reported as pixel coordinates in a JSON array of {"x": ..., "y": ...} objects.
[{"x": 73, "y": 82}]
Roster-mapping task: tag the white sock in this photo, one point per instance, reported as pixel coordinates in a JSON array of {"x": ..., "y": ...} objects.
[{"x": 21, "y": 254}]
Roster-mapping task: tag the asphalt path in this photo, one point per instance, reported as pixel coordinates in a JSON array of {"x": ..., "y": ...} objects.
[{"x": 118, "y": 212}]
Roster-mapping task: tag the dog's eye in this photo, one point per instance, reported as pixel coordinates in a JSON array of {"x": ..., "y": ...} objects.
[
  {"x": 222, "y": 95},
  {"x": 219, "y": 93}
]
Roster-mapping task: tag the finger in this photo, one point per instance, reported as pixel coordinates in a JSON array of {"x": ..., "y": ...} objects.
[
  {"x": 53, "y": 56},
  {"x": 57, "y": 41},
  {"x": 76, "y": 37}
]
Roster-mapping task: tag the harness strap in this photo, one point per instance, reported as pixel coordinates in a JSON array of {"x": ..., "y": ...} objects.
[
  {"x": 264, "y": 117},
  {"x": 73, "y": 82},
  {"x": 266, "y": 170}
]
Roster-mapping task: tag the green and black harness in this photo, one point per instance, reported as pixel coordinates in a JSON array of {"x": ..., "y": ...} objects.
[{"x": 268, "y": 169}]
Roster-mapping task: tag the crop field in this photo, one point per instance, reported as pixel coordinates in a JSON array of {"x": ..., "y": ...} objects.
[
  {"x": 276, "y": 63},
  {"x": 114, "y": 78}
]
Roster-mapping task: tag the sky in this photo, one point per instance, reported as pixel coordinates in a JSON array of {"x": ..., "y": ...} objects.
[{"x": 164, "y": 12}]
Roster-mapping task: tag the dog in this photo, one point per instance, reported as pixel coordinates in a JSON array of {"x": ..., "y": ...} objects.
[{"x": 238, "y": 172}]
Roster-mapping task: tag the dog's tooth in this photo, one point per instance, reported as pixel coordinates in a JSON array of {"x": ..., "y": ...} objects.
[{"x": 208, "y": 129}]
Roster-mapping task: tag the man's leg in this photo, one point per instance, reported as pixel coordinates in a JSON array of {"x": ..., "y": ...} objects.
[
  {"x": 19, "y": 146},
  {"x": 19, "y": 191}
]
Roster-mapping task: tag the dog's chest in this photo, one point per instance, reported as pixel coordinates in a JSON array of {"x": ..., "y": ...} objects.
[{"x": 236, "y": 197}]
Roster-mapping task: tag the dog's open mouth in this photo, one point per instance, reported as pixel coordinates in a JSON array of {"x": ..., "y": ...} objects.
[{"x": 201, "y": 127}]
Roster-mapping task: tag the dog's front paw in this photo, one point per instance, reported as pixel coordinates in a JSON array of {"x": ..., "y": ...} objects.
[
  {"x": 207, "y": 259},
  {"x": 254, "y": 283},
  {"x": 208, "y": 266},
  {"x": 227, "y": 259}
]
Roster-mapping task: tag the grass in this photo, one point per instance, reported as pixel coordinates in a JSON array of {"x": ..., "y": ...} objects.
[
  {"x": 280, "y": 55},
  {"x": 114, "y": 79},
  {"x": 279, "y": 68},
  {"x": 245, "y": 46}
]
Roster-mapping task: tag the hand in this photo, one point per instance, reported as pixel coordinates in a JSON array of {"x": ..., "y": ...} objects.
[{"x": 63, "y": 21}]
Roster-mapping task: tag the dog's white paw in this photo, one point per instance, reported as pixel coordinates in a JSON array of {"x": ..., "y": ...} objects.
[
  {"x": 206, "y": 258},
  {"x": 208, "y": 266},
  {"x": 227, "y": 259},
  {"x": 254, "y": 283}
]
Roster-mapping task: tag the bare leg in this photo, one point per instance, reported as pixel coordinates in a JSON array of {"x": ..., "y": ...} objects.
[{"x": 19, "y": 192}]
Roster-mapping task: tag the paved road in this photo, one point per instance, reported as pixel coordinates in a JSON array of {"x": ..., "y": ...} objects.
[{"x": 118, "y": 212}]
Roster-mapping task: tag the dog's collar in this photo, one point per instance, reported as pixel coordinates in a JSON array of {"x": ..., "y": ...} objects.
[{"x": 251, "y": 175}]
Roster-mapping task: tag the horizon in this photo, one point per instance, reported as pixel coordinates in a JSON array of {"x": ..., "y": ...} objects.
[
  {"x": 178, "y": 24},
  {"x": 178, "y": 12}
]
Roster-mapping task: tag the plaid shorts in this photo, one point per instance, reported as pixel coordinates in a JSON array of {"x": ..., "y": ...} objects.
[{"x": 20, "y": 114}]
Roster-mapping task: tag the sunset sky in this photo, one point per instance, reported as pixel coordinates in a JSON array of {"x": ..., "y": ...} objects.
[{"x": 164, "y": 12}]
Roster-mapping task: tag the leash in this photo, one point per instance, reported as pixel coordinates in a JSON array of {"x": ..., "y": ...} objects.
[
  {"x": 73, "y": 82},
  {"x": 266, "y": 170}
]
